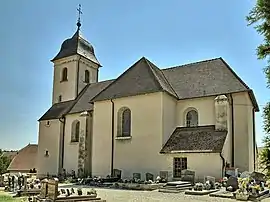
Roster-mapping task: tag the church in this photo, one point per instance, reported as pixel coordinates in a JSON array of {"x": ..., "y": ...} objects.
[{"x": 198, "y": 116}]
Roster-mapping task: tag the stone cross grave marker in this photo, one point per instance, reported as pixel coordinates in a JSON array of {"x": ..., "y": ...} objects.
[{"x": 53, "y": 188}]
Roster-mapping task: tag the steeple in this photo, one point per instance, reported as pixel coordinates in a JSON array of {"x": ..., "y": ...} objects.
[
  {"x": 75, "y": 66},
  {"x": 79, "y": 16},
  {"x": 77, "y": 45}
]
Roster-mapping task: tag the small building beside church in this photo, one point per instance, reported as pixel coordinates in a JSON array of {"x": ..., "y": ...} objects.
[{"x": 198, "y": 116}]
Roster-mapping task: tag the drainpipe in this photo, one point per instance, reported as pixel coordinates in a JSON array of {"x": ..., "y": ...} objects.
[
  {"x": 232, "y": 131},
  {"x": 254, "y": 138},
  {"x": 223, "y": 163},
  {"x": 112, "y": 152},
  {"x": 63, "y": 140},
  {"x": 78, "y": 76}
]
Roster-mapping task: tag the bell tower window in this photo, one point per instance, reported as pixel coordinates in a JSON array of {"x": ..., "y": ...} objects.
[
  {"x": 86, "y": 76},
  {"x": 64, "y": 74}
]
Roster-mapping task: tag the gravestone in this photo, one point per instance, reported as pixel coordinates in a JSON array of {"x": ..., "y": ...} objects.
[
  {"x": 258, "y": 177},
  {"x": 164, "y": 174},
  {"x": 52, "y": 188},
  {"x": 1, "y": 181},
  {"x": 245, "y": 174},
  {"x": 44, "y": 188},
  {"x": 210, "y": 179},
  {"x": 63, "y": 191},
  {"x": 149, "y": 176},
  {"x": 232, "y": 182},
  {"x": 137, "y": 176},
  {"x": 13, "y": 182},
  {"x": 79, "y": 190},
  {"x": 20, "y": 182},
  {"x": 68, "y": 192},
  {"x": 117, "y": 173},
  {"x": 188, "y": 175}
]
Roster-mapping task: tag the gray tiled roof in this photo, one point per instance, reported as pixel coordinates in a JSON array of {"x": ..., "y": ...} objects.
[
  {"x": 80, "y": 104},
  {"x": 195, "y": 139},
  {"x": 200, "y": 79},
  {"x": 57, "y": 110},
  {"x": 83, "y": 103},
  {"x": 77, "y": 45},
  {"x": 210, "y": 77},
  {"x": 140, "y": 78}
]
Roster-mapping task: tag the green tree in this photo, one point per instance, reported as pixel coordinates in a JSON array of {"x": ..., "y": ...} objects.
[
  {"x": 4, "y": 162},
  {"x": 259, "y": 16}
]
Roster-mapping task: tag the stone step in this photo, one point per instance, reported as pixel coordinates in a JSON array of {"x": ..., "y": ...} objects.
[
  {"x": 175, "y": 183},
  {"x": 169, "y": 190},
  {"x": 175, "y": 189}
]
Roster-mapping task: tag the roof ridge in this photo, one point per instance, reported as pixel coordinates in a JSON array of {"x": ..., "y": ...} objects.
[
  {"x": 152, "y": 66},
  {"x": 153, "y": 73},
  {"x": 192, "y": 63},
  {"x": 77, "y": 98},
  {"x": 115, "y": 80}
]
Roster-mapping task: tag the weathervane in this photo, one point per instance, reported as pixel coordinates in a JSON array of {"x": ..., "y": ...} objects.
[{"x": 79, "y": 16}]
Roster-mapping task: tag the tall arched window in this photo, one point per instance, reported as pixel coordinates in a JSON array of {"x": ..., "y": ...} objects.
[
  {"x": 192, "y": 118},
  {"x": 86, "y": 76},
  {"x": 124, "y": 122},
  {"x": 64, "y": 74},
  {"x": 75, "y": 131}
]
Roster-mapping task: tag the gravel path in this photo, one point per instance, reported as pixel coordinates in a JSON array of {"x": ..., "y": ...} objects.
[{"x": 113, "y": 195}]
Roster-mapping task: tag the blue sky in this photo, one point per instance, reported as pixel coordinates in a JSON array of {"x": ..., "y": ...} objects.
[{"x": 169, "y": 33}]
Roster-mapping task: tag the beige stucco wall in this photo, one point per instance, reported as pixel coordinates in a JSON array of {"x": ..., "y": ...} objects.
[
  {"x": 152, "y": 124},
  {"x": 93, "y": 72},
  {"x": 71, "y": 149},
  {"x": 67, "y": 89},
  {"x": 49, "y": 139},
  {"x": 204, "y": 164},
  {"x": 244, "y": 158},
  {"x": 204, "y": 106},
  {"x": 141, "y": 152},
  {"x": 169, "y": 116}
]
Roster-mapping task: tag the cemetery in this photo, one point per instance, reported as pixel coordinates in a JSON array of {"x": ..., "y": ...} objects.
[{"x": 234, "y": 185}]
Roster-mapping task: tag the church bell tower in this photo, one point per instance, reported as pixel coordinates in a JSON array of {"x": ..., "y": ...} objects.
[{"x": 75, "y": 66}]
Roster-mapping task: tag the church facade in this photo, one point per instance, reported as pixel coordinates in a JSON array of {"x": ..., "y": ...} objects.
[{"x": 198, "y": 116}]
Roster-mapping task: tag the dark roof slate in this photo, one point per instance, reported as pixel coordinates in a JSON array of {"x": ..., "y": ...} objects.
[
  {"x": 83, "y": 103},
  {"x": 195, "y": 139},
  {"x": 77, "y": 45},
  {"x": 205, "y": 78},
  {"x": 141, "y": 78},
  {"x": 200, "y": 79},
  {"x": 57, "y": 110}
]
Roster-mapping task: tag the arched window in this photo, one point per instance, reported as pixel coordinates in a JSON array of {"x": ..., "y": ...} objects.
[
  {"x": 86, "y": 76},
  {"x": 75, "y": 131},
  {"x": 64, "y": 74},
  {"x": 192, "y": 118},
  {"x": 124, "y": 122}
]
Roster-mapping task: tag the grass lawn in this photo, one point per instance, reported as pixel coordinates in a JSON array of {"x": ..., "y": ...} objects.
[{"x": 4, "y": 197}]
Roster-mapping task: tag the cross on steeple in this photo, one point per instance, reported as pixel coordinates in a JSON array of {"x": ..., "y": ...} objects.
[{"x": 79, "y": 16}]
